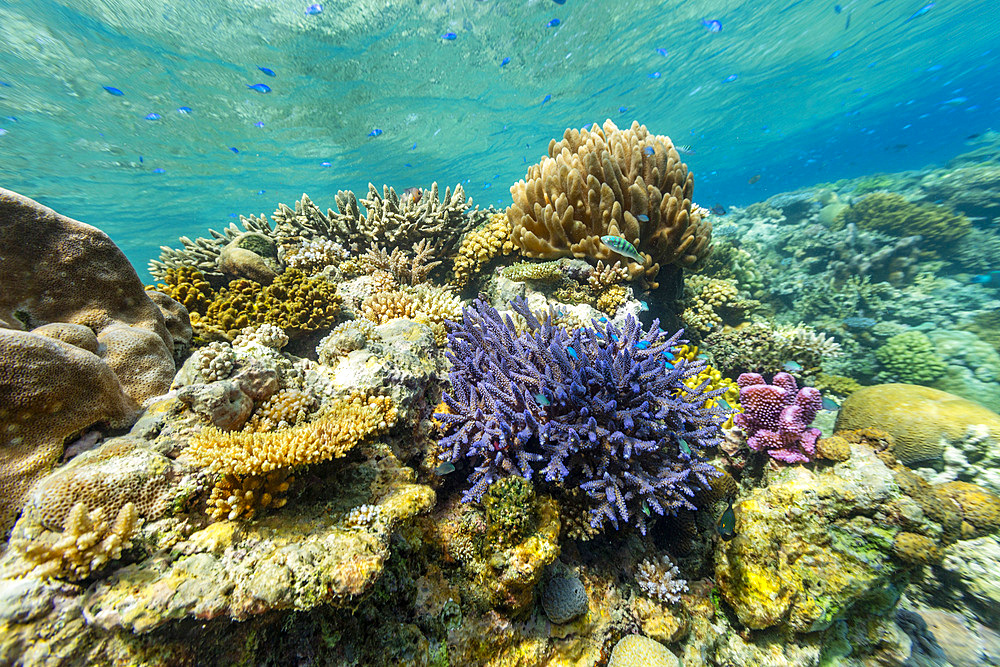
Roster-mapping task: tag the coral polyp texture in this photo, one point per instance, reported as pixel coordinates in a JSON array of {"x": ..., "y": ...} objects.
[
  {"x": 776, "y": 416},
  {"x": 610, "y": 182},
  {"x": 603, "y": 409}
]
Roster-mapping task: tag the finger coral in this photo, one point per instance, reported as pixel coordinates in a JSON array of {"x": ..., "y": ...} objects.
[
  {"x": 892, "y": 214},
  {"x": 605, "y": 181},
  {"x": 346, "y": 422},
  {"x": 235, "y": 498},
  {"x": 188, "y": 286},
  {"x": 776, "y": 416},
  {"x": 602, "y": 409},
  {"x": 88, "y": 541}
]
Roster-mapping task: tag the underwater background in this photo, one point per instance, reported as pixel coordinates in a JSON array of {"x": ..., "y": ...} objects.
[
  {"x": 796, "y": 92},
  {"x": 500, "y": 333}
]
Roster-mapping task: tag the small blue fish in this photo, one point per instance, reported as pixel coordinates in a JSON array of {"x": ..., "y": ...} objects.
[
  {"x": 663, "y": 52},
  {"x": 622, "y": 109},
  {"x": 727, "y": 523},
  {"x": 648, "y": 150},
  {"x": 837, "y": 9},
  {"x": 642, "y": 217},
  {"x": 260, "y": 87},
  {"x": 835, "y": 54},
  {"x": 260, "y": 192},
  {"x": 234, "y": 149},
  {"x": 269, "y": 72},
  {"x": 159, "y": 170},
  {"x": 152, "y": 116},
  {"x": 572, "y": 352},
  {"x": 830, "y": 404},
  {"x": 444, "y": 469},
  {"x": 259, "y": 123},
  {"x": 730, "y": 78},
  {"x": 553, "y": 23},
  {"x": 413, "y": 147},
  {"x": 184, "y": 110},
  {"x": 504, "y": 61},
  {"x": 642, "y": 345},
  {"x": 654, "y": 75},
  {"x": 712, "y": 25},
  {"x": 313, "y": 10},
  {"x": 374, "y": 133},
  {"x": 991, "y": 279},
  {"x": 449, "y": 36},
  {"x": 325, "y": 164},
  {"x": 542, "y": 400},
  {"x": 114, "y": 91},
  {"x": 685, "y": 150},
  {"x": 920, "y": 12},
  {"x": 623, "y": 248},
  {"x": 546, "y": 99},
  {"x": 791, "y": 366},
  {"x": 140, "y": 159}
]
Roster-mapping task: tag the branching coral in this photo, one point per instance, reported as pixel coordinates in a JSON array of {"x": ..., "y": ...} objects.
[
  {"x": 606, "y": 181},
  {"x": 89, "y": 541},
  {"x": 390, "y": 221},
  {"x": 346, "y": 422},
  {"x": 661, "y": 580},
  {"x": 314, "y": 255},
  {"x": 600, "y": 409},
  {"x": 405, "y": 269},
  {"x": 202, "y": 253},
  {"x": 711, "y": 302},
  {"x": 776, "y": 416},
  {"x": 235, "y": 497}
]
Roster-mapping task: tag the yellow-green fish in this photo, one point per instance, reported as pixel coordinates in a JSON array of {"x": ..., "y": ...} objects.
[
  {"x": 623, "y": 247},
  {"x": 727, "y": 523}
]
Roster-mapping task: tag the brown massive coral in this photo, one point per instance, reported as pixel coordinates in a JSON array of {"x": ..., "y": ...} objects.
[
  {"x": 81, "y": 342},
  {"x": 606, "y": 181}
]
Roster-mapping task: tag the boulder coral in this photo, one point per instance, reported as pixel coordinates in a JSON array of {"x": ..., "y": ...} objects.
[{"x": 922, "y": 421}]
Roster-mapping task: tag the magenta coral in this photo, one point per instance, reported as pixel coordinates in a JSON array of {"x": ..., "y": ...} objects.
[{"x": 776, "y": 417}]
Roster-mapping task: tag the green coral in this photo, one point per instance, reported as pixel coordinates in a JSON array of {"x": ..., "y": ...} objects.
[
  {"x": 294, "y": 301},
  {"x": 892, "y": 214},
  {"x": 258, "y": 244},
  {"x": 910, "y": 357},
  {"x": 543, "y": 271},
  {"x": 873, "y": 183},
  {"x": 510, "y": 511},
  {"x": 841, "y": 385}
]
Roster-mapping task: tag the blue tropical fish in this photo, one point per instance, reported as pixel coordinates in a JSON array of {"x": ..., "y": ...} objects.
[
  {"x": 260, "y": 87},
  {"x": 623, "y": 248},
  {"x": 267, "y": 71},
  {"x": 114, "y": 91},
  {"x": 712, "y": 25}
]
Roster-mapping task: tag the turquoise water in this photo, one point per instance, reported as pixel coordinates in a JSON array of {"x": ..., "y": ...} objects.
[{"x": 819, "y": 94}]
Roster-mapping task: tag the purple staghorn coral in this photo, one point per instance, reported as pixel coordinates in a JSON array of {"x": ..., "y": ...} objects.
[
  {"x": 599, "y": 408},
  {"x": 776, "y": 416}
]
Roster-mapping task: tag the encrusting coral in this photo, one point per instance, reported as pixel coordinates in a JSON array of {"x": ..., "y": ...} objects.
[
  {"x": 294, "y": 301},
  {"x": 605, "y": 181}
]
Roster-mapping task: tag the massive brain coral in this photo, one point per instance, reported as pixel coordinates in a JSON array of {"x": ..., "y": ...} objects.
[
  {"x": 81, "y": 342},
  {"x": 606, "y": 181}
]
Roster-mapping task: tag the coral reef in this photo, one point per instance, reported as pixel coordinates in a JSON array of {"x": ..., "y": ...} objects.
[
  {"x": 203, "y": 254},
  {"x": 776, "y": 416},
  {"x": 564, "y": 599},
  {"x": 639, "y": 651},
  {"x": 188, "y": 286},
  {"x": 572, "y": 408},
  {"x": 606, "y": 181}
]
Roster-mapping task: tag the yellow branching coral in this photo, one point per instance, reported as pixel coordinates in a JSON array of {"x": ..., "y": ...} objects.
[
  {"x": 381, "y": 307},
  {"x": 187, "y": 286},
  {"x": 243, "y": 498},
  {"x": 730, "y": 398},
  {"x": 606, "y": 181},
  {"x": 89, "y": 541},
  {"x": 426, "y": 304},
  {"x": 295, "y": 302},
  {"x": 346, "y": 422},
  {"x": 480, "y": 246}
]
